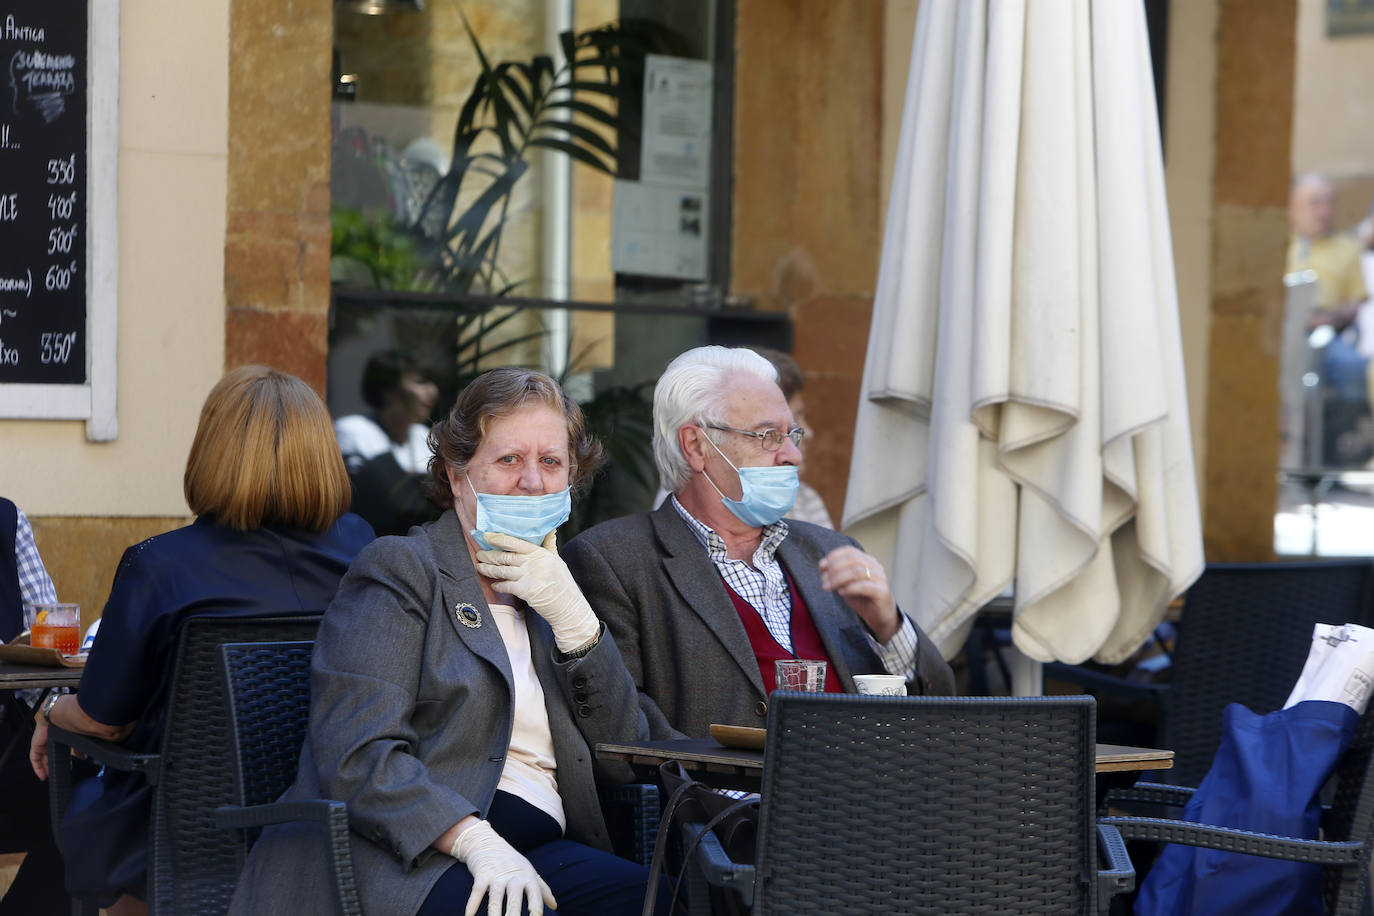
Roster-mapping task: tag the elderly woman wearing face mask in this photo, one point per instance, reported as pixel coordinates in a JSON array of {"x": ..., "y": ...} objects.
[{"x": 460, "y": 680}]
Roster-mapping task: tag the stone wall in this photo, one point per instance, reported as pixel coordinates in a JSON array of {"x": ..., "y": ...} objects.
[
  {"x": 1333, "y": 122},
  {"x": 807, "y": 231},
  {"x": 276, "y": 253}
]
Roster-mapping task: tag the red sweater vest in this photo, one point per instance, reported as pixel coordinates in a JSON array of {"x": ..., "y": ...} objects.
[{"x": 806, "y": 640}]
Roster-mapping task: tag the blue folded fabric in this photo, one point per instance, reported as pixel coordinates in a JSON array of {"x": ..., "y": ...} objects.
[{"x": 1265, "y": 777}]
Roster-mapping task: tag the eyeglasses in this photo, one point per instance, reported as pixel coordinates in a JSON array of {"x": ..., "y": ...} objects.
[{"x": 770, "y": 438}]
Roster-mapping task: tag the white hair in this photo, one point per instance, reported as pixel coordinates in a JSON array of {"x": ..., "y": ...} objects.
[{"x": 692, "y": 391}]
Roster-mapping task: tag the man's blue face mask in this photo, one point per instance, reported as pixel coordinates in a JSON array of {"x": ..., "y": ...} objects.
[
  {"x": 529, "y": 518},
  {"x": 767, "y": 493}
]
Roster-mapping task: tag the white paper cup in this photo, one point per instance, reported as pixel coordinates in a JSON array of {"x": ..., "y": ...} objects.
[{"x": 884, "y": 685}]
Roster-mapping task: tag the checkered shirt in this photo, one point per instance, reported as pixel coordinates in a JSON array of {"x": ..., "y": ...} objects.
[
  {"x": 35, "y": 587},
  {"x": 764, "y": 586},
  {"x": 761, "y": 584}
]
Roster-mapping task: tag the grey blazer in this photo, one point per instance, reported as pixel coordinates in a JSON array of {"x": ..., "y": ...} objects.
[
  {"x": 410, "y": 721},
  {"x": 651, "y": 581}
]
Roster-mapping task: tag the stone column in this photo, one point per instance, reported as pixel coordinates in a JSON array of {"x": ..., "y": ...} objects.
[
  {"x": 276, "y": 252},
  {"x": 1254, "y": 113}
]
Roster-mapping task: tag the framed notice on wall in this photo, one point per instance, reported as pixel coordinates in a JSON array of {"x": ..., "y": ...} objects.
[
  {"x": 59, "y": 120},
  {"x": 1349, "y": 17}
]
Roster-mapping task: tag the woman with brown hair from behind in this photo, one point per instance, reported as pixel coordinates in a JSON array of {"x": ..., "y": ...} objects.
[{"x": 272, "y": 535}]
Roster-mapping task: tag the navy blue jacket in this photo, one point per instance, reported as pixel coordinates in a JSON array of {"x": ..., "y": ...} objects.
[
  {"x": 201, "y": 569},
  {"x": 11, "y": 600}
]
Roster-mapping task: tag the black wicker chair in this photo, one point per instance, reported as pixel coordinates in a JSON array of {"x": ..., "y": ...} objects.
[
  {"x": 1244, "y": 637},
  {"x": 1246, "y": 631},
  {"x": 632, "y": 814},
  {"x": 268, "y": 690},
  {"x": 926, "y": 805},
  {"x": 193, "y": 864},
  {"x": 1347, "y": 829}
]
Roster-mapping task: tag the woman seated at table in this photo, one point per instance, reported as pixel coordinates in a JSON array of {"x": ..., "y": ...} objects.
[
  {"x": 459, "y": 682},
  {"x": 271, "y": 536}
]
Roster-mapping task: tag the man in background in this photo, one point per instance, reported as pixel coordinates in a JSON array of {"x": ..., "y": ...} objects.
[
  {"x": 37, "y": 889},
  {"x": 387, "y": 451},
  {"x": 809, "y": 507},
  {"x": 1335, "y": 259},
  {"x": 402, "y": 398}
]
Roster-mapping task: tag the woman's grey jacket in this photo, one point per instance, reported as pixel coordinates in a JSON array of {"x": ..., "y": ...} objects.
[{"x": 410, "y": 721}]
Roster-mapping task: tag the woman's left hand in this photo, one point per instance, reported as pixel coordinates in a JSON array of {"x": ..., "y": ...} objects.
[
  {"x": 66, "y": 712},
  {"x": 499, "y": 873},
  {"x": 38, "y": 749},
  {"x": 541, "y": 579}
]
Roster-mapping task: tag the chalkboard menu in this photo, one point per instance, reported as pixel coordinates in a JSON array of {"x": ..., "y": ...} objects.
[{"x": 43, "y": 192}]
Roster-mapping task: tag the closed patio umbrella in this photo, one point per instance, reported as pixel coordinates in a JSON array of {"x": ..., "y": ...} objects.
[{"x": 1023, "y": 415}]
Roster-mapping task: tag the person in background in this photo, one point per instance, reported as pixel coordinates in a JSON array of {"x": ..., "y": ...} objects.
[
  {"x": 272, "y": 536},
  {"x": 809, "y": 506},
  {"x": 1335, "y": 259},
  {"x": 1364, "y": 234},
  {"x": 706, "y": 592},
  {"x": 402, "y": 400},
  {"x": 23, "y": 578},
  {"x": 388, "y": 453},
  {"x": 459, "y": 682},
  {"x": 24, "y": 822}
]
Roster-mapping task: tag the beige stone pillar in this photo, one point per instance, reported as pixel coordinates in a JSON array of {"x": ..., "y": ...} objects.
[
  {"x": 1254, "y": 110},
  {"x": 276, "y": 252}
]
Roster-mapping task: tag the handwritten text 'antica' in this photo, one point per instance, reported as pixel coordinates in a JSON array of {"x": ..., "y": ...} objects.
[{"x": 16, "y": 32}]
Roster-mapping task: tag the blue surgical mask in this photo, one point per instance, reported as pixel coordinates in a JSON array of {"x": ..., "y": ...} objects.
[
  {"x": 529, "y": 518},
  {"x": 767, "y": 493}
]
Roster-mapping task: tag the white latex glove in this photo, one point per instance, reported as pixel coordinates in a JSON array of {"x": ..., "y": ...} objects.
[
  {"x": 537, "y": 576},
  {"x": 499, "y": 873}
]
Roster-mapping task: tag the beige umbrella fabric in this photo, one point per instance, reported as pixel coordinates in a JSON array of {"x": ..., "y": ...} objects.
[{"x": 1024, "y": 416}]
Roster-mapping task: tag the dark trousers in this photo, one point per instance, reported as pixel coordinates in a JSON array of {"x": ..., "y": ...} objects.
[
  {"x": 25, "y": 825},
  {"x": 584, "y": 881}
]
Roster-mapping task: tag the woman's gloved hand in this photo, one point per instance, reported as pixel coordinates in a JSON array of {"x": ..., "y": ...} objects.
[
  {"x": 500, "y": 874},
  {"x": 537, "y": 576}
]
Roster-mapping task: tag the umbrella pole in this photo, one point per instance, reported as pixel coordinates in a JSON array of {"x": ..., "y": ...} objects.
[{"x": 1027, "y": 675}]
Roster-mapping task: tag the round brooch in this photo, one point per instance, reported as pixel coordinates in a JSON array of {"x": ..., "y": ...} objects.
[{"x": 467, "y": 615}]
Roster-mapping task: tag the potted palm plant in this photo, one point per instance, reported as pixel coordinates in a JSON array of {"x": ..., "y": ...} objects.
[{"x": 574, "y": 106}]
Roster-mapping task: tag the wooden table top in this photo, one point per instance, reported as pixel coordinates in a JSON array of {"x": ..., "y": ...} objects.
[
  {"x": 709, "y": 755},
  {"x": 17, "y": 676},
  {"x": 1120, "y": 758}
]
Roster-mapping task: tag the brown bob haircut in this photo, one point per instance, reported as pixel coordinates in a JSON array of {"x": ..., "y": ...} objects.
[
  {"x": 265, "y": 456},
  {"x": 499, "y": 393}
]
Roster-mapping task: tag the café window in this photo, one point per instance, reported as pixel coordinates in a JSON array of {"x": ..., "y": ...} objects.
[{"x": 535, "y": 182}]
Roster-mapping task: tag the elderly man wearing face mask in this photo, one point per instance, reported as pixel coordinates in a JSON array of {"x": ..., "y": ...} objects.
[{"x": 706, "y": 592}]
